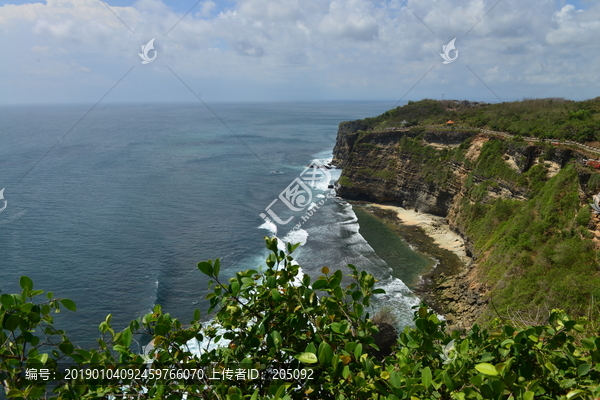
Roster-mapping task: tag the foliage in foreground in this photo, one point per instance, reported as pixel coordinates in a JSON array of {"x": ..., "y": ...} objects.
[{"x": 277, "y": 320}]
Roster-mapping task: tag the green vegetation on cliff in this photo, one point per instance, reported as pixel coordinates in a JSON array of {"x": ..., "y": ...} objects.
[
  {"x": 537, "y": 252},
  {"x": 307, "y": 339},
  {"x": 543, "y": 118},
  {"x": 522, "y": 206}
]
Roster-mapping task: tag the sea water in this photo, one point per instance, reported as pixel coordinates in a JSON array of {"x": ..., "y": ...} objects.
[{"x": 115, "y": 209}]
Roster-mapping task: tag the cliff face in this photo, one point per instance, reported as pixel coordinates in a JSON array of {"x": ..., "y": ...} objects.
[
  {"x": 429, "y": 174},
  {"x": 462, "y": 175},
  {"x": 381, "y": 171}
]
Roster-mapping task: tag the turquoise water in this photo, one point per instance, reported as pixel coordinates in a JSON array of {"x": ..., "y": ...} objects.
[
  {"x": 407, "y": 264},
  {"x": 118, "y": 213}
]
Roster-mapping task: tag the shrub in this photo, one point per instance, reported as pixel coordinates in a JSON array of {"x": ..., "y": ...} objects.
[
  {"x": 277, "y": 322},
  {"x": 345, "y": 181}
]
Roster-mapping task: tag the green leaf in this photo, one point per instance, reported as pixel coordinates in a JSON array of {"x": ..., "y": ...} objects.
[
  {"x": 126, "y": 336},
  {"x": 69, "y": 304},
  {"x": 476, "y": 380},
  {"x": 205, "y": 268},
  {"x": 498, "y": 387},
  {"x": 528, "y": 395},
  {"x": 583, "y": 369},
  {"x": 25, "y": 281},
  {"x": 197, "y": 314},
  {"x": 161, "y": 329},
  {"x": 426, "y": 377},
  {"x": 120, "y": 349},
  {"x": 11, "y": 323},
  {"x": 308, "y": 358},
  {"x": 7, "y": 300},
  {"x": 508, "y": 330},
  {"x": 334, "y": 282},
  {"x": 14, "y": 393},
  {"x": 336, "y": 327},
  {"x": 533, "y": 338},
  {"x": 217, "y": 267},
  {"x": 66, "y": 347},
  {"x": 358, "y": 309},
  {"x": 276, "y": 338},
  {"x": 464, "y": 346},
  {"x": 346, "y": 372},
  {"x": 551, "y": 367},
  {"x": 487, "y": 369},
  {"x": 395, "y": 379},
  {"x": 448, "y": 381},
  {"x": 325, "y": 353},
  {"x": 319, "y": 284},
  {"x": 275, "y": 295},
  {"x": 26, "y": 307},
  {"x": 338, "y": 293},
  {"x": 42, "y": 358},
  {"x": 358, "y": 351},
  {"x": 574, "y": 393},
  {"x": 588, "y": 344},
  {"x": 310, "y": 348}
]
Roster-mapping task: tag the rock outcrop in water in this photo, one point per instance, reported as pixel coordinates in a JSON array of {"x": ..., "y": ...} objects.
[{"x": 457, "y": 174}]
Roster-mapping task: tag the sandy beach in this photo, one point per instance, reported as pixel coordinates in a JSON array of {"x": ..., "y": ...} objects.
[{"x": 434, "y": 226}]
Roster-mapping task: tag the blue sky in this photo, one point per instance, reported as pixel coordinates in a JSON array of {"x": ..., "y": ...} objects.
[{"x": 61, "y": 51}]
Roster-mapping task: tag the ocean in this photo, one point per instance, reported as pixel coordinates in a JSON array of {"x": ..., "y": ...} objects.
[{"x": 116, "y": 210}]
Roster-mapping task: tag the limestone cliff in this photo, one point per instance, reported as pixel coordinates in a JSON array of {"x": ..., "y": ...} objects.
[{"x": 464, "y": 175}]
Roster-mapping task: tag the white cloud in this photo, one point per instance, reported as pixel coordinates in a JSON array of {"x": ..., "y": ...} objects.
[
  {"x": 350, "y": 19},
  {"x": 333, "y": 48},
  {"x": 278, "y": 11},
  {"x": 206, "y": 8},
  {"x": 575, "y": 27}
]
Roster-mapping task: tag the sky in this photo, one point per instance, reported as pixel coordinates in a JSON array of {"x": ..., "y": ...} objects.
[{"x": 85, "y": 51}]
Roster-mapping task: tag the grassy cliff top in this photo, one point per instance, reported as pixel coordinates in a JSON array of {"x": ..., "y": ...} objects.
[{"x": 553, "y": 118}]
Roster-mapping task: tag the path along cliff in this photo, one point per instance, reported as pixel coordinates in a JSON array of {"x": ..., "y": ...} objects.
[{"x": 519, "y": 203}]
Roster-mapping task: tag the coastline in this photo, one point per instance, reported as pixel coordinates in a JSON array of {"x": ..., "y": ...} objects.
[
  {"x": 427, "y": 234},
  {"x": 450, "y": 288},
  {"x": 435, "y": 227}
]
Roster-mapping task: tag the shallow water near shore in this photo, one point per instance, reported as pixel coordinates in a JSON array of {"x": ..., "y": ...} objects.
[{"x": 407, "y": 264}]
